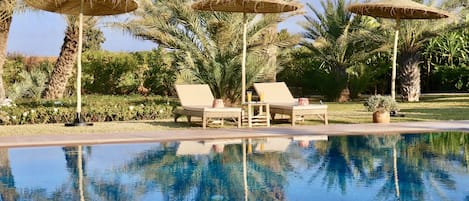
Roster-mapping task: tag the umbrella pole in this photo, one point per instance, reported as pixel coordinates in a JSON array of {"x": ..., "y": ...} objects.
[
  {"x": 78, "y": 121},
  {"x": 243, "y": 62},
  {"x": 394, "y": 60}
]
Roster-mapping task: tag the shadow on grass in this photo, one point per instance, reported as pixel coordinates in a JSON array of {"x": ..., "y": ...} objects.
[
  {"x": 197, "y": 123},
  {"x": 455, "y": 113},
  {"x": 442, "y": 99},
  {"x": 183, "y": 123},
  {"x": 170, "y": 124}
]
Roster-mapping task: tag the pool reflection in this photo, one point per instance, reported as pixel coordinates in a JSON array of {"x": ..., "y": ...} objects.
[{"x": 392, "y": 167}]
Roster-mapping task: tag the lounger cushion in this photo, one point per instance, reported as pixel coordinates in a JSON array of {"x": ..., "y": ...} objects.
[
  {"x": 275, "y": 92},
  {"x": 194, "y": 94}
]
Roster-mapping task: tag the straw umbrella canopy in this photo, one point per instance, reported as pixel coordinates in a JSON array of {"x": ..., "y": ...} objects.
[
  {"x": 396, "y": 9},
  {"x": 246, "y": 6},
  {"x": 80, "y": 8}
]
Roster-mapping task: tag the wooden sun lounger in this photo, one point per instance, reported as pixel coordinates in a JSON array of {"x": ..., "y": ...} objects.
[
  {"x": 281, "y": 101},
  {"x": 197, "y": 99}
]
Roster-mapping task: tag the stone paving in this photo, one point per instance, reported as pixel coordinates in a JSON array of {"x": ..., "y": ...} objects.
[{"x": 227, "y": 133}]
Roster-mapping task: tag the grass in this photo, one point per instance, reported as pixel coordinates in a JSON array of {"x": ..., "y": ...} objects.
[{"x": 430, "y": 108}]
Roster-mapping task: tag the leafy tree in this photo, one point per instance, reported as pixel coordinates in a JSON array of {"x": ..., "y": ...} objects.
[
  {"x": 93, "y": 37},
  {"x": 447, "y": 61},
  {"x": 446, "y": 56},
  {"x": 208, "y": 44}
]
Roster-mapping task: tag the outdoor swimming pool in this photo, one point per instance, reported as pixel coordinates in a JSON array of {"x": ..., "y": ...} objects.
[{"x": 392, "y": 167}]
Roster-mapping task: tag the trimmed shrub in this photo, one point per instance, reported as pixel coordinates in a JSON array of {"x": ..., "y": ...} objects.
[{"x": 95, "y": 109}]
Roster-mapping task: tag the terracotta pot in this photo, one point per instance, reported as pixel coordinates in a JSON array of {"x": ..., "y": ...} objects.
[
  {"x": 381, "y": 117},
  {"x": 218, "y": 103}
]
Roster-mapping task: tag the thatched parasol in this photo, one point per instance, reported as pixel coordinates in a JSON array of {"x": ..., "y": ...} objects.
[
  {"x": 80, "y": 8},
  {"x": 246, "y": 6},
  {"x": 397, "y": 9},
  {"x": 90, "y": 7}
]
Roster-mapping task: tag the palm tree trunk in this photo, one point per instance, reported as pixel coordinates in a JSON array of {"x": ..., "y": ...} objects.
[
  {"x": 4, "y": 30},
  {"x": 65, "y": 62},
  {"x": 341, "y": 74},
  {"x": 271, "y": 70},
  {"x": 410, "y": 77}
]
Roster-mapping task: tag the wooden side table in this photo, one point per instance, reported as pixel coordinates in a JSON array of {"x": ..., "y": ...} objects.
[{"x": 256, "y": 114}]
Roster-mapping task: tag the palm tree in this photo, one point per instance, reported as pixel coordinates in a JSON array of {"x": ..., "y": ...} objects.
[
  {"x": 6, "y": 16},
  {"x": 208, "y": 44},
  {"x": 414, "y": 34},
  {"x": 338, "y": 41},
  {"x": 66, "y": 61}
]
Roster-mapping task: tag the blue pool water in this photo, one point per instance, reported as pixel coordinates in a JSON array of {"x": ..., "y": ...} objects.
[{"x": 394, "y": 167}]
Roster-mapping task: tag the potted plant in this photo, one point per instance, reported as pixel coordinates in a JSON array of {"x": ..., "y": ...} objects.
[{"x": 381, "y": 106}]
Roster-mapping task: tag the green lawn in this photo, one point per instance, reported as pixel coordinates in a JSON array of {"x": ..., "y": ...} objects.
[{"x": 430, "y": 108}]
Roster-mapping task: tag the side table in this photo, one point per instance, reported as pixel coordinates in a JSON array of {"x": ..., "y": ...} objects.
[{"x": 256, "y": 114}]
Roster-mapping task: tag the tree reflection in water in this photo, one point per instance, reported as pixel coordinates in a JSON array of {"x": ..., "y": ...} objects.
[
  {"x": 7, "y": 181},
  {"x": 410, "y": 165},
  {"x": 390, "y": 167},
  {"x": 213, "y": 176}
]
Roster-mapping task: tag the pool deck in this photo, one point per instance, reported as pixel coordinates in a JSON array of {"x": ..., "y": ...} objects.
[{"x": 196, "y": 133}]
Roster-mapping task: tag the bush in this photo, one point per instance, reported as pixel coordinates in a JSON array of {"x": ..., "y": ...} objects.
[
  {"x": 108, "y": 73},
  {"x": 302, "y": 71},
  {"x": 29, "y": 85},
  {"x": 26, "y": 77},
  {"x": 95, "y": 109},
  {"x": 451, "y": 78},
  {"x": 159, "y": 75},
  {"x": 378, "y": 102},
  {"x": 123, "y": 73}
]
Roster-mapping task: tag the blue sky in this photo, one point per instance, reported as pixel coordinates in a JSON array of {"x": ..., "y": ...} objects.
[{"x": 41, "y": 33}]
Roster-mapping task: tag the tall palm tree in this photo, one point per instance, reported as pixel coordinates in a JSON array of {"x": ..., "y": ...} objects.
[
  {"x": 413, "y": 37},
  {"x": 414, "y": 34},
  {"x": 6, "y": 16},
  {"x": 56, "y": 86},
  {"x": 207, "y": 43},
  {"x": 337, "y": 41}
]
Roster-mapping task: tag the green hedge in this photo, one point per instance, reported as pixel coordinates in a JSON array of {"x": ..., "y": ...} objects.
[
  {"x": 124, "y": 73},
  {"x": 95, "y": 109}
]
